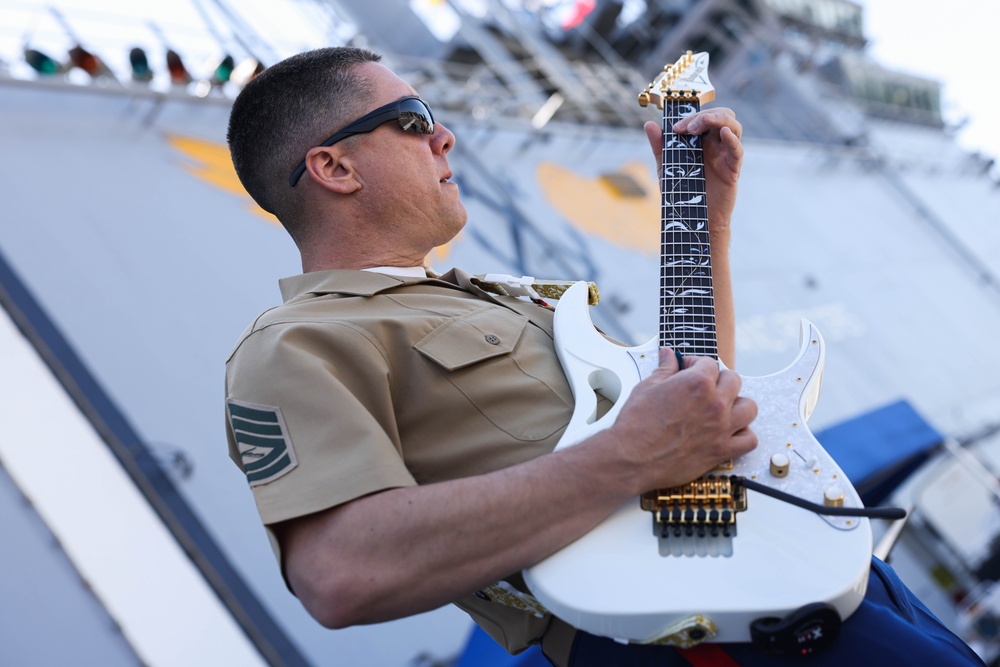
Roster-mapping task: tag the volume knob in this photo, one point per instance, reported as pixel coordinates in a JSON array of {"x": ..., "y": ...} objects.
[
  {"x": 833, "y": 496},
  {"x": 779, "y": 465}
]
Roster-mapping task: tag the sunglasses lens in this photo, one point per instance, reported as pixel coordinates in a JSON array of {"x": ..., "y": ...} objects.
[{"x": 415, "y": 117}]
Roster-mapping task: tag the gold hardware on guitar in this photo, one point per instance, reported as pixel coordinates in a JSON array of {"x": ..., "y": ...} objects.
[
  {"x": 662, "y": 86},
  {"x": 705, "y": 507},
  {"x": 685, "y": 633}
]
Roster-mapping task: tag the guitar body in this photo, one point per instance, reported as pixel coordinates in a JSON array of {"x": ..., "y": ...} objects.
[{"x": 623, "y": 581}]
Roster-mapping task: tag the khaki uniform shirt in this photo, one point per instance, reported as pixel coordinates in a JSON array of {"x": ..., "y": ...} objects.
[{"x": 362, "y": 382}]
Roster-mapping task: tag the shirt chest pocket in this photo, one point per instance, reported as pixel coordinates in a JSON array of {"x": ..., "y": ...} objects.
[{"x": 506, "y": 369}]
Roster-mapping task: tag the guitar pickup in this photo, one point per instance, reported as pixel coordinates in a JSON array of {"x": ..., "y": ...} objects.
[{"x": 706, "y": 507}]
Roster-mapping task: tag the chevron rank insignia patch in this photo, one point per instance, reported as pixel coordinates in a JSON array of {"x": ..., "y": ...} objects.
[{"x": 265, "y": 448}]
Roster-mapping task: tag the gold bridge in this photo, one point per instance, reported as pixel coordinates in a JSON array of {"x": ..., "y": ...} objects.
[{"x": 706, "y": 507}]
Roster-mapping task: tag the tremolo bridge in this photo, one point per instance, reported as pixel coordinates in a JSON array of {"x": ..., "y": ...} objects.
[{"x": 697, "y": 518}]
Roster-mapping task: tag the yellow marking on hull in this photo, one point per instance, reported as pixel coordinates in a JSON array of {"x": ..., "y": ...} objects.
[{"x": 596, "y": 206}]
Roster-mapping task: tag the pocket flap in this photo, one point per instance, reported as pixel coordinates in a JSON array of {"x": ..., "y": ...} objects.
[{"x": 471, "y": 338}]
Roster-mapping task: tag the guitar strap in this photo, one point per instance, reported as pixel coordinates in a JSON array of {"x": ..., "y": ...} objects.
[{"x": 707, "y": 655}]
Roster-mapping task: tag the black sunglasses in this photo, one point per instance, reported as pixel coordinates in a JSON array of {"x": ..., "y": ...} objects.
[{"x": 412, "y": 113}]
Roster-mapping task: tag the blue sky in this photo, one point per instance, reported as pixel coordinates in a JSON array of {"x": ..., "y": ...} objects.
[{"x": 953, "y": 42}]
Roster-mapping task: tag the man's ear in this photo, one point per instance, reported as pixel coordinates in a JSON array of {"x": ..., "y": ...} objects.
[{"x": 332, "y": 169}]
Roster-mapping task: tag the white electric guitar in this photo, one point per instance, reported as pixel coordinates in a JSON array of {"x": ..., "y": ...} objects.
[{"x": 703, "y": 561}]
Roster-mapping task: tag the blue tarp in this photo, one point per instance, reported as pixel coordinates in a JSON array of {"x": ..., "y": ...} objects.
[
  {"x": 880, "y": 448},
  {"x": 482, "y": 651}
]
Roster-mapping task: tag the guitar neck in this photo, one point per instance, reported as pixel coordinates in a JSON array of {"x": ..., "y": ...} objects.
[{"x": 687, "y": 301}]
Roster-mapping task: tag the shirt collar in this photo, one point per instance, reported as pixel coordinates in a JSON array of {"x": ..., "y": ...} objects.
[
  {"x": 343, "y": 281},
  {"x": 405, "y": 271}
]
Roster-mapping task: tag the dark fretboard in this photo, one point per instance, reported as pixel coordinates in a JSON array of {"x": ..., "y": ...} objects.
[{"x": 687, "y": 304}]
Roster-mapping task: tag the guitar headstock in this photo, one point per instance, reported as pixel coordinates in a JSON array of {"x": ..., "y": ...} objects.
[{"x": 686, "y": 79}]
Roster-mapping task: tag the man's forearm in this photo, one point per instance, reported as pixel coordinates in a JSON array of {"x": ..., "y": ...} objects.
[
  {"x": 722, "y": 287},
  {"x": 409, "y": 550}
]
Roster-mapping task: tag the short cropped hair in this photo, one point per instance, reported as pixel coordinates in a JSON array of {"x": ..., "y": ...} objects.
[{"x": 288, "y": 109}]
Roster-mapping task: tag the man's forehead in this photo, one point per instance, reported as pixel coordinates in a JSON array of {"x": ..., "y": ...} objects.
[{"x": 386, "y": 84}]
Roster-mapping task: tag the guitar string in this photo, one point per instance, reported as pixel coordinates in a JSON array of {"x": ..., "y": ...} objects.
[
  {"x": 688, "y": 318},
  {"x": 682, "y": 277}
]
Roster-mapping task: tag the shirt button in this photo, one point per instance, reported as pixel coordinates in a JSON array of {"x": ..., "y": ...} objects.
[{"x": 492, "y": 340}]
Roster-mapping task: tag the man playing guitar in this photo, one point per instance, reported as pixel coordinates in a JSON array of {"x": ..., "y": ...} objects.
[{"x": 398, "y": 427}]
